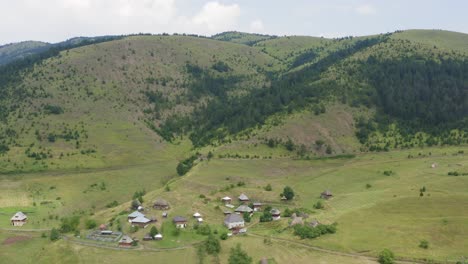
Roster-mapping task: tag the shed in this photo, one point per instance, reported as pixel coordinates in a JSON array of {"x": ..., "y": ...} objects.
[
  {"x": 125, "y": 241},
  {"x": 244, "y": 209},
  {"x": 257, "y": 206},
  {"x": 197, "y": 215},
  {"x": 326, "y": 194},
  {"x": 227, "y": 212},
  {"x": 180, "y": 222},
  {"x": 226, "y": 200},
  {"x": 243, "y": 198},
  {"x": 276, "y": 214},
  {"x": 19, "y": 219},
  {"x": 147, "y": 237},
  {"x": 161, "y": 204},
  {"x": 296, "y": 220}
]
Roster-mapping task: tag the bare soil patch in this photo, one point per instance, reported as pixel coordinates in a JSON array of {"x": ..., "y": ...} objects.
[{"x": 15, "y": 239}]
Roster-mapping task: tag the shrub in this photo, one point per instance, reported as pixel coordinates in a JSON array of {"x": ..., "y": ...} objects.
[
  {"x": 239, "y": 256},
  {"x": 223, "y": 236},
  {"x": 386, "y": 257},
  {"x": 90, "y": 224},
  {"x": 54, "y": 234},
  {"x": 424, "y": 244},
  {"x": 266, "y": 217},
  {"x": 247, "y": 217},
  {"x": 204, "y": 230},
  {"x": 318, "y": 205},
  {"x": 212, "y": 245},
  {"x": 268, "y": 188},
  {"x": 153, "y": 231},
  {"x": 288, "y": 193},
  {"x": 69, "y": 224}
]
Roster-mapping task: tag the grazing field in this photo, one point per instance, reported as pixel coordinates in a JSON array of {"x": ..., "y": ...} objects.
[{"x": 376, "y": 203}]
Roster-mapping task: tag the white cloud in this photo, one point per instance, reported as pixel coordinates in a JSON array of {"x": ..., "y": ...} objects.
[
  {"x": 257, "y": 26},
  {"x": 57, "y": 20},
  {"x": 366, "y": 10},
  {"x": 216, "y": 17}
]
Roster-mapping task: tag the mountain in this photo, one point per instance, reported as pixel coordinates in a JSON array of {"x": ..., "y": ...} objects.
[
  {"x": 91, "y": 129},
  {"x": 14, "y": 51},
  {"x": 79, "y": 105}
]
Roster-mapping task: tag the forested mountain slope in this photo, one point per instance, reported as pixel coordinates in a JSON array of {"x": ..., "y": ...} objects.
[{"x": 108, "y": 101}]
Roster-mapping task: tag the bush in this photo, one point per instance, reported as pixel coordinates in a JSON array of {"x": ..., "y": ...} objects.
[
  {"x": 266, "y": 217},
  {"x": 287, "y": 212},
  {"x": 54, "y": 234},
  {"x": 212, "y": 245},
  {"x": 424, "y": 244},
  {"x": 203, "y": 230},
  {"x": 153, "y": 231},
  {"x": 223, "y": 236},
  {"x": 239, "y": 256},
  {"x": 53, "y": 109},
  {"x": 305, "y": 231},
  {"x": 386, "y": 257},
  {"x": 268, "y": 188},
  {"x": 318, "y": 205},
  {"x": 247, "y": 217},
  {"x": 90, "y": 224},
  {"x": 69, "y": 224},
  {"x": 288, "y": 193}
]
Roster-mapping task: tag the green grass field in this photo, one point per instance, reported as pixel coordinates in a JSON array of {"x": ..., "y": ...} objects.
[{"x": 389, "y": 214}]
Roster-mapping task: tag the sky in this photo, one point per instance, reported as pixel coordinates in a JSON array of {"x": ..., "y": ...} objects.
[{"x": 58, "y": 20}]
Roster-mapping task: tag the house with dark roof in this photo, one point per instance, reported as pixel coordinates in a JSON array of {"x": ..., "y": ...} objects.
[
  {"x": 234, "y": 221},
  {"x": 161, "y": 204},
  {"x": 326, "y": 194},
  {"x": 180, "y": 222},
  {"x": 19, "y": 219},
  {"x": 243, "y": 198},
  {"x": 244, "y": 209}
]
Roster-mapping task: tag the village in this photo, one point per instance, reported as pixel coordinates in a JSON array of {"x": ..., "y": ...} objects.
[{"x": 237, "y": 214}]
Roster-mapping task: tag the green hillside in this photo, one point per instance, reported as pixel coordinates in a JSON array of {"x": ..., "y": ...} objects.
[
  {"x": 242, "y": 38},
  {"x": 439, "y": 38},
  {"x": 380, "y": 121},
  {"x": 14, "y": 51}
]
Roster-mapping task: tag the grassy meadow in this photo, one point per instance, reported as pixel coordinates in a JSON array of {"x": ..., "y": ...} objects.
[{"x": 373, "y": 210}]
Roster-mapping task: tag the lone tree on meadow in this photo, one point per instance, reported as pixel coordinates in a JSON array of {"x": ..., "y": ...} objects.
[
  {"x": 386, "y": 257},
  {"x": 239, "y": 256},
  {"x": 288, "y": 193}
]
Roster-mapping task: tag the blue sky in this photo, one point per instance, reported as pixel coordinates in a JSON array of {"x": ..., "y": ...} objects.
[{"x": 57, "y": 20}]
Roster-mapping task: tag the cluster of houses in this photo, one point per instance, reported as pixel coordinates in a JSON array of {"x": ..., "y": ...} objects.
[{"x": 235, "y": 221}]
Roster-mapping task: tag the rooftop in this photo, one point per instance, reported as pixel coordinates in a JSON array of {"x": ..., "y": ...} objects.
[
  {"x": 19, "y": 216},
  {"x": 179, "y": 219},
  {"x": 136, "y": 214},
  {"x": 233, "y": 218}
]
